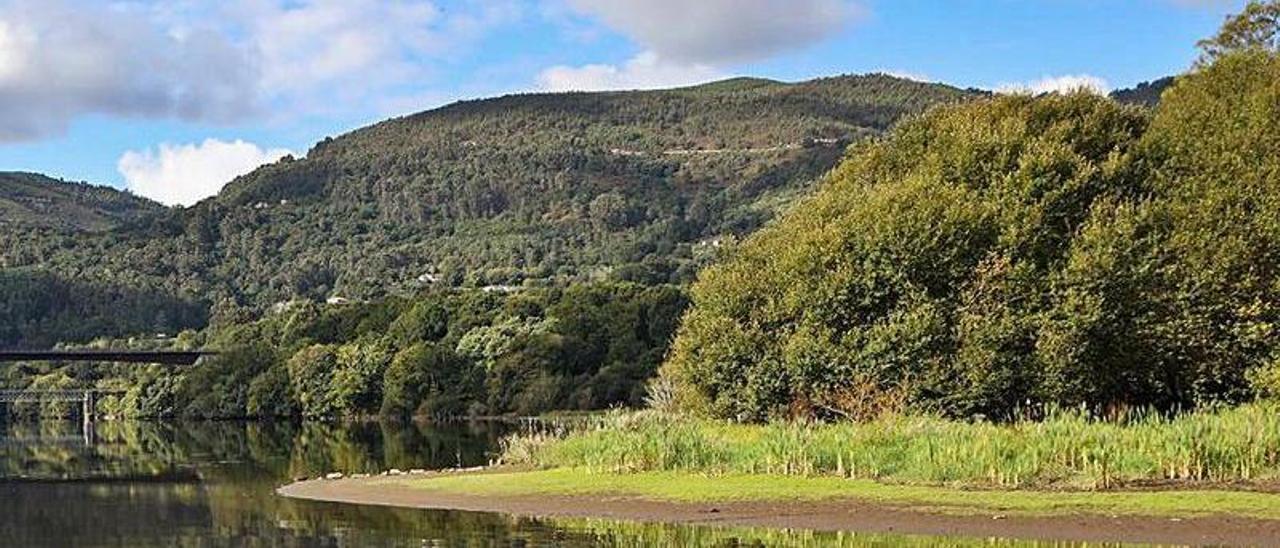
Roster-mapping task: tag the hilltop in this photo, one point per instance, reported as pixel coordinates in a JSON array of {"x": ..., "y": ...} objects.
[
  {"x": 29, "y": 200},
  {"x": 522, "y": 189},
  {"x": 1144, "y": 94}
]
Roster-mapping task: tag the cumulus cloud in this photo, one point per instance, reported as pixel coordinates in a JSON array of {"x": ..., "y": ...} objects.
[
  {"x": 221, "y": 62},
  {"x": 1058, "y": 84},
  {"x": 59, "y": 61},
  {"x": 645, "y": 71},
  {"x": 326, "y": 52},
  {"x": 721, "y": 31},
  {"x": 186, "y": 174}
]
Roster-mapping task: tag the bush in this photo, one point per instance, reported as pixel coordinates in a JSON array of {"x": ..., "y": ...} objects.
[
  {"x": 1265, "y": 381},
  {"x": 924, "y": 260},
  {"x": 270, "y": 395},
  {"x": 1000, "y": 257},
  {"x": 311, "y": 375}
]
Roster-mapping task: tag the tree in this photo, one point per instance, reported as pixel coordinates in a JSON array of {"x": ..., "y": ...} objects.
[
  {"x": 357, "y": 381},
  {"x": 270, "y": 395},
  {"x": 311, "y": 372},
  {"x": 923, "y": 265},
  {"x": 1257, "y": 27}
]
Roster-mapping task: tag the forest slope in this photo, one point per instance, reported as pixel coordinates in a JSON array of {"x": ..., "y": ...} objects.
[
  {"x": 552, "y": 188},
  {"x": 30, "y": 200}
]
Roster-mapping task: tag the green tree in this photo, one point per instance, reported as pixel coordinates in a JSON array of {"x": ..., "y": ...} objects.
[
  {"x": 922, "y": 265},
  {"x": 1256, "y": 27},
  {"x": 311, "y": 372},
  {"x": 271, "y": 395},
  {"x": 357, "y": 381}
]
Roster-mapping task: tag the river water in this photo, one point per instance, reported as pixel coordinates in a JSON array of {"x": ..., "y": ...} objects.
[{"x": 212, "y": 484}]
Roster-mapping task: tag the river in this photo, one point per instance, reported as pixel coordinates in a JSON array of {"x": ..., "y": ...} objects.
[{"x": 212, "y": 484}]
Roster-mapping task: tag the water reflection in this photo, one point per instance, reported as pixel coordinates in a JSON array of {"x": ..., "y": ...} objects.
[{"x": 212, "y": 484}]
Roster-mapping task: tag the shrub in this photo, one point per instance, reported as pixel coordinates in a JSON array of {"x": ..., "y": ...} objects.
[
  {"x": 1009, "y": 255},
  {"x": 922, "y": 265}
]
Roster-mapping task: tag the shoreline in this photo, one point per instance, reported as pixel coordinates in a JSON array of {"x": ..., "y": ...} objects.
[{"x": 507, "y": 492}]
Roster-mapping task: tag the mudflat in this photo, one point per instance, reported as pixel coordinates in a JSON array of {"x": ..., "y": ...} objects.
[{"x": 848, "y": 514}]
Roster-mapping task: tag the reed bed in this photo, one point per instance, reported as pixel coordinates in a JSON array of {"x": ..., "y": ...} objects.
[{"x": 1066, "y": 449}]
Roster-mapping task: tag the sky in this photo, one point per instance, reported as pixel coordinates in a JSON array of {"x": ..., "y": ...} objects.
[{"x": 171, "y": 99}]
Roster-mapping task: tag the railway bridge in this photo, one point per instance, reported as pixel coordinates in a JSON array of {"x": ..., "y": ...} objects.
[{"x": 87, "y": 397}]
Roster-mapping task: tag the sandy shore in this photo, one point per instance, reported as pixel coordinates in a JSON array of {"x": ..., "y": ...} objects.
[{"x": 831, "y": 515}]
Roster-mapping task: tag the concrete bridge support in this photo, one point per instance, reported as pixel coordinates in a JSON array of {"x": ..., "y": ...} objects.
[{"x": 88, "y": 412}]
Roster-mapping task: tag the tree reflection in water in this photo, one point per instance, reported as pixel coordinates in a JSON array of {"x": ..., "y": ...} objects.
[{"x": 212, "y": 484}]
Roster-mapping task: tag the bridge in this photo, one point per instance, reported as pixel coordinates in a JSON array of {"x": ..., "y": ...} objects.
[
  {"x": 162, "y": 357},
  {"x": 43, "y": 396},
  {"x": 86, "y": 397}
]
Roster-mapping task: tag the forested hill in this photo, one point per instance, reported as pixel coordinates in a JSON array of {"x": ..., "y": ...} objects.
[
  {"x": 1145, "y": 94},
  {"x": 523, "y": 189},
  {"x": 28, "y": 200}
]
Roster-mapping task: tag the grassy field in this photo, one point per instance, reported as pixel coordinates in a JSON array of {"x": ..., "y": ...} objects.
[
  {"x": 688, "y": 487},
  {"x": 1066, "y": 451}
]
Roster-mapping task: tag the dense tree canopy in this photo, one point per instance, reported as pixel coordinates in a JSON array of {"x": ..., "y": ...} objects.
[
  {"x": 1011, "y": 253},
  {"x": 440, "y": 353},
  {"x": 543, "y": 189},
  {"x": 1257, "y": 27},
  {"x": 28, "y": 201}
]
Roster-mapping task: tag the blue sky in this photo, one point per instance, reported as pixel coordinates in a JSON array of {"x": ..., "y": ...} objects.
[{"x": 173, "y": 98}]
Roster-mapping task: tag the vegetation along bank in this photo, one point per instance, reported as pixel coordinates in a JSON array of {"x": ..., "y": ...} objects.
[{"x": 1053, "y": 305}]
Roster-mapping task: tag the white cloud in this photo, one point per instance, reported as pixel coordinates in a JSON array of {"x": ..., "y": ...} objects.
[
  {"x": 186, "y": 174},
  {"x": 721, "y": 31},
  {"x": 1058, "y": 84},
  {"x": 907, "y": 75},
  {"x": 645, "y": 71},
  {"x": 222, "y": 62},
  {"x": 60, "y": 60},
  {"x": 333, "y": 52}
]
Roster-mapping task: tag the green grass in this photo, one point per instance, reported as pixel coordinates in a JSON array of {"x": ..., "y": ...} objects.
[
  {"x": 694, "y": 488},
  {"x": 609, "y": 532},
  {"x": 1065, "y": 451}
]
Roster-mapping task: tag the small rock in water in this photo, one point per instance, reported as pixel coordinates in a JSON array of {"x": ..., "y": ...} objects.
[
  {"x": 359, "y": 476},
  {"x": 395, "y": 472},
  {"x": 417, "y": 471},
  {"x": 334, "y": 476}
]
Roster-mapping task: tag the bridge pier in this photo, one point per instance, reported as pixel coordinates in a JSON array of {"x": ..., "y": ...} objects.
[{"x": 87, "y": 412}]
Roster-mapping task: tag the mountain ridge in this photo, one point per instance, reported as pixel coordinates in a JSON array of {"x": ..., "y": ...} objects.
[
  {"x": 30, "y": 200},
  {"x": 523, "y": 189}
]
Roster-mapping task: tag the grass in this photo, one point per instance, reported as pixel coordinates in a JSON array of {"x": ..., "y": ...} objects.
[
  {"x": 694, "y": 488},
  {"x": 639, "y": 533},
  {"x": 1065, "y": 451}
]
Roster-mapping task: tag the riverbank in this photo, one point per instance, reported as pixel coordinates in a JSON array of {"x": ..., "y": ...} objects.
[
  {"x": 1191, "y": 516},
  {"x": 1065, "y": 451}
]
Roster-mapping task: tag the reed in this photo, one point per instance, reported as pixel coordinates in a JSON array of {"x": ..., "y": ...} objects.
[{"x": 1064, "y": 450}]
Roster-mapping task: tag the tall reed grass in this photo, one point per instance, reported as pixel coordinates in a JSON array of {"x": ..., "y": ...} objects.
[{"x": 1066, "y": 449}]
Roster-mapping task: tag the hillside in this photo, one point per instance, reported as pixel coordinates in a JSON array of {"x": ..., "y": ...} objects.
[
  {"x": 542, "y": 188},
  {"x": 28, "y": 200},
  {"x": 1145, "y": 94}
]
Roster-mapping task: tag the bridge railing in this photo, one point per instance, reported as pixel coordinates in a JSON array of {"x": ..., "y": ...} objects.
[{"x": 63, "y": 395}]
